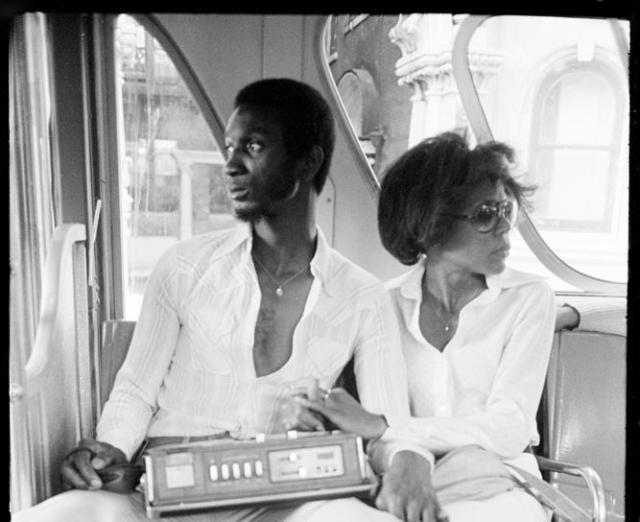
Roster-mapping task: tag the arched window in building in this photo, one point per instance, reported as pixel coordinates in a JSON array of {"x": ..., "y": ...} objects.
[{"x": 576, "y": 146}]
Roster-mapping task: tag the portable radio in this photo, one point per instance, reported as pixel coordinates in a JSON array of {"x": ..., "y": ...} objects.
[{"x": 292, "y": 467}]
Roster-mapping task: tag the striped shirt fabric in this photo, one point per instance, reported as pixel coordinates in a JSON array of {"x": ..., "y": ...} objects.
[{"x": 189, "y": 370}]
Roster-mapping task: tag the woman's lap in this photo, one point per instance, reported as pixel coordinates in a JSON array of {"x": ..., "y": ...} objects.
[{"x": 512, "y": 505}]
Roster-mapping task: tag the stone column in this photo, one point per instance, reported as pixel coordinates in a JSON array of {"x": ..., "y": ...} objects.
[{"x": 426, "y": 43}]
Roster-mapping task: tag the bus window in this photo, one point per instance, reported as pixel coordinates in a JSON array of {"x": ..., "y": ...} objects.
[
  {"x": 372, "y": 61},
  {"x": 560, "y": 98},
  {"x": 557, "y": 93},
  {"x": 171, "y": 169}
]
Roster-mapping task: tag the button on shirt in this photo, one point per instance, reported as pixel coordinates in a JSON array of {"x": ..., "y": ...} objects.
[
  {"x": 189, "y": 370},
  {"x": 485, "y": 386}
]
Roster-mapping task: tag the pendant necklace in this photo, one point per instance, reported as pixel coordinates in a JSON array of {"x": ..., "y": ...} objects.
[
  {"x": 447, "y": 325},
  {"x": 279, "y": 285},
  {"x": 436, "y": 305}
]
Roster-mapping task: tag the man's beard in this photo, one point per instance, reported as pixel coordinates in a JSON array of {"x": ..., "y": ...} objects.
[
  {"x": 263, "y": 209},
  {"x": 254, "y": 214}
]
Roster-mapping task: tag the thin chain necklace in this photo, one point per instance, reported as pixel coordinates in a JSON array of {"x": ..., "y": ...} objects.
[
  {"x": 279, "y": 284},
  {"x": 447, "y": 324},
  {"x": 435, "y": 306}
]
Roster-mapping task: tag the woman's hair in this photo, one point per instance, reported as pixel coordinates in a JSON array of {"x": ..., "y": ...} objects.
[{"x": 433, "y": 180}]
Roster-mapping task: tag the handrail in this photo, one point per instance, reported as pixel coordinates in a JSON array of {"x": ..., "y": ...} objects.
[
  {"x": 59, "y": 392},
  {"x": 589, "y": 475},
  {"x": 59, "y": 256}
]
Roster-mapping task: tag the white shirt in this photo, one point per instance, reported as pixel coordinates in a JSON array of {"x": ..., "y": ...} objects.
[
  {"x": 485, "y": 386},
  {"x": 189, "y": 370}
]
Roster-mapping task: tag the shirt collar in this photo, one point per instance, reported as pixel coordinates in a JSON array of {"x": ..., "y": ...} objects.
[
  {"x": 321, "y": 262},
  {"x": 239, "y": 237},
  {"x": 242, "y": 238},
  {"x": 508, "y": 278},
  {"x": 410, "y": 283}
]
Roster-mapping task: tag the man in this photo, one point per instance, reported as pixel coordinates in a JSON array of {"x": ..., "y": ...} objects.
[{"x": 233, "y": 322}]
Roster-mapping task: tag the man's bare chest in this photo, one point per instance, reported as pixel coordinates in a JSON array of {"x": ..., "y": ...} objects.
[{"x": 278, "y": 317}]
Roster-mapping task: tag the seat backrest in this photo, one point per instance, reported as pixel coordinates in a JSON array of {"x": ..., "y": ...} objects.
[
  {"x": 59, "y": 406},
  {"x": 582, "y": 414},
  {"x": 586, "y": 408},
  {"x": 116, "y": 337}
]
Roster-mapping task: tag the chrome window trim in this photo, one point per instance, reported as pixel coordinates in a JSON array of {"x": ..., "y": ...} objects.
[
  {"x": 479, "y": 124},
  {"x": 105, "y": 186},
  {"x": 621, "y": 43},
  {"x": 335, "y": 101}
]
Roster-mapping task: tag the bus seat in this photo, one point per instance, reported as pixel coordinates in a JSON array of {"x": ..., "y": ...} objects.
[
  {"x": 585, "y": 403},
  {"x": 581, "y": 416},
  {"x": 116, "y": 337},
  {"x": 601, "y": 314},
  {"x": 58, "y": 407}
]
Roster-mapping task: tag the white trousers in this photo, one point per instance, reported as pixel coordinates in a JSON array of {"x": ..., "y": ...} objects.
[{"x": 104, "y": 506}]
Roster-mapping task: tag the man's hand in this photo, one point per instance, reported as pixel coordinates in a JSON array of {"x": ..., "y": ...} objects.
[
  {"x": 347, "y": 413},
  {"x": 80, "y": 467},
  {"x": 407, "y": 491}
]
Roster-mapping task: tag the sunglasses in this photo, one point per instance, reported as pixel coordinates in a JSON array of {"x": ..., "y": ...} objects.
[{"x": 486, "y": 216}]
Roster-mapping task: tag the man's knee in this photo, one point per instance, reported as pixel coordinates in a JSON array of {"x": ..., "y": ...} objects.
[{"x": 88, "y": 506}]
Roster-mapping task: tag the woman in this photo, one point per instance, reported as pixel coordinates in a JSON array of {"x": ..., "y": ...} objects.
[{"x": 476, "y": 334}]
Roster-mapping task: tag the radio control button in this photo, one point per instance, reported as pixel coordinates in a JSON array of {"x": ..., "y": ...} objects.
[
  {"x": 259, "y": 468},
  {"x": 235, "y": 470},
  {"x": 302, "y": 472},
  {"x": 224, "y": 471},
  {"x": 247, "y": 469},
  {"x": 213, "y": 472},
  {"x": 293, "y": 457}
]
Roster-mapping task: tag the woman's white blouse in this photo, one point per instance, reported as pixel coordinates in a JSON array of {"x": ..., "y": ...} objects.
[{"x": 485, "y": 386}]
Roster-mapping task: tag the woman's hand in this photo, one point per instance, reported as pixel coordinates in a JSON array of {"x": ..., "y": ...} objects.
[
  {"x": 295, "y": 416},
  {"x": 80, "y": 467},
  {"x": 346, "y": 413},
  {"x": 407, "y": 491}
]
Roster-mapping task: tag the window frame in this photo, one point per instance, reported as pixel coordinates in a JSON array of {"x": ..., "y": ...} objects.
[
  {"x": 480, "y": 126},
  {"x": 338, "y": 107},
  {"x": 587, "y": 284},
  {"x": 114, "y": 271}
]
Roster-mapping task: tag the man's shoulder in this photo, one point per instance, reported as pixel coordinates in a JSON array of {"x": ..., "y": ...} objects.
[
  {"x": 350, "y": 277},
  {"x": 193, "y": 251}
]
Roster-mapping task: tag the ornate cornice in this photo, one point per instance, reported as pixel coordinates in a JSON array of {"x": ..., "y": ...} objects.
[{"x": 425, "y": 42}]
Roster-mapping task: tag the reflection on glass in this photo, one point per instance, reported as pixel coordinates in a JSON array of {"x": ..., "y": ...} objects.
[
  {"x": 560, "y": 97},
  {"x": 171, "y": 177},
  {"x": 393, "y": 73}
]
